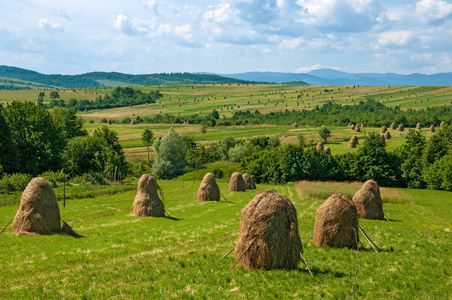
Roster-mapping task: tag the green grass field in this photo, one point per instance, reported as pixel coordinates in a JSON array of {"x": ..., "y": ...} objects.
[{"x": 119, "y": 256}]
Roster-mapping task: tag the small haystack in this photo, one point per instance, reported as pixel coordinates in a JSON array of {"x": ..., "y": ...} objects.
[
  {"x": 368, "y": 202},
  {"x": 353, "y": 142},
  {"x": 94, "y": 132},
  {"x": 400, "y": 127},
  {"x": 268, "y": 237},
  {"x": 209, "y": 190},
  {"x": 419, "y": 126},
  {"x": 147, "y": 202},
  {"x": 352, "y": 127},
  {"x": 383, "y": 129},
  {"x": 387, "y": 135},
  {"x": 392, "y": 126},
  {"x": 357, "y": 128},
  {"x": 295, "y": 125},
  {"x": 109, "y": 121},
  {"x": 362, "y": 125},
  {"x": 319, "y": 146},
  {"x": 336, "y": 223},
  {"x": 327, "y": 150},
  {"x": 249, "y": 181},
  {"x": 132, "y": 122},
  {"x": 442, "y": 124},
  {"x": 236, "y": 183},
  {"x": 38, "y": 211},
  {"x": 431, "y": 129},
  {"x": 408, "y": 132}
]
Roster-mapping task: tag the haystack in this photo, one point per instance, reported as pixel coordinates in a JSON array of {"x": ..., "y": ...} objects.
[
  {"x": 392, "y": 126},
  {"x": 408, "y": 132},
  {"x": 295, "y": 125},
  {"x": 357, "y": 128},
  {"x": 249, "y": 181},
  {"x": 268, "y": 237},
  {"x": 209, "y": 190},
  {"x": 352, "y": 127},
  {"x": 431, "y": 129},
  {"x": 362, "y": 125},
  {"x": 319, "y": 146},
  {"x": 383, "y": 129},
  {"x": 94, "y": 132},
  {"x": 400, "y": 127},
  {"x": 38, "y": 211},
  {"x": 419, "y": 126},
  {"x": 327, "y": 150},
  {"x": 353, "y": 142},
  {"x": 237, "y": 184},
  {"x": 147, "y": 202},
  {"x": 368, "y": 202},
  {"x": 336, "y": 223},
  {"x": 387, "y": 135},
  {"x": 442, "y": 124}
]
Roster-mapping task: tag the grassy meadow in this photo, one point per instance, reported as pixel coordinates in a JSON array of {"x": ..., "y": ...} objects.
[{"x": 120, "y": 256}]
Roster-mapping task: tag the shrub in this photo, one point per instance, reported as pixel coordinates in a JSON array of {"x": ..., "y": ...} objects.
[
  {"x": 218, "y": 172},
  {"x": 236, "y": 154},
  {"x": 14, "y": 182}
]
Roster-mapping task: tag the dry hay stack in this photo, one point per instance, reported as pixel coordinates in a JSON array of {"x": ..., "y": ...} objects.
[
  {"x": 319, "y": 146},
  {"x": 295, "y": 125},
  {"x": 383, "y": 129},
  {"x": 368, "y": 202},
  {"x": 249, "y": 181},
  {"x": 336, "y": 223},
  {"x": 147, "y": 202},
  {"x": 38, "y": 211},
  {"x": 442, "y": 124},
  {"x": 353, "y": 142},
  {"x": 392, "y": 126},
  {"x": 236, "y": 183},
  {"x": 362, "y": 125},
  {"x": 209, "y": 190},
  {"x": 419, "y": 126},
  {"x": 327, "y": 150},
  {"x": 400, "y": 128},
  {"x": 94, "y": 131},
  {"x": 132, "y": 122},
  {"x": 408, "y": 132},
  {"x": 268, "y": 237},
  {"x": 387, "y": 135},
  {"x": 357, "y": 128},
  {"x": 352, "y": 127},
  {"x": 431, "y": 129}
]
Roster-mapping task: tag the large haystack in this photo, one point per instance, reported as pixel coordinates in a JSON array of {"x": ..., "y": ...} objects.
[
  {"x": 387, "y": 135},
  {"x": 353, "y": 142},
  {"x": 419, "y": 126},
  {"x": 336, "y": 223},
  {"x": 392, "y": 126},
  {"x": 319, "y": 146},
  {"x": 147, "y": 202},
  {"x": 249, "y": 181},
  {"x": 209, "y": 190},
  {"x": 431, "y": 129},
  {"x": 383, "y": 129},
  {"x": 38, "y": 211},
  {"x": 269, "y": 233},
  {"x": 236, "y": 183},
  {"x": 400, "y": 128},
  {"x": 368, "y": 201}
]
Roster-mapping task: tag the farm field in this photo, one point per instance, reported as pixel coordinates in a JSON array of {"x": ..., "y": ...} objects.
[{"x": 119, "y": 256}]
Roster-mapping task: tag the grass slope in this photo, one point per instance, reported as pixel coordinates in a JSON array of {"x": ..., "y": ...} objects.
[{"x": 120, "y": 256}]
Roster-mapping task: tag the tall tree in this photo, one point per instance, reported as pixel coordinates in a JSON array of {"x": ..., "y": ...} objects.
[
  {"x": 170, "y": 156},
  {"x": 148, "y": 139},
  {"x": 8, "y": 151}
]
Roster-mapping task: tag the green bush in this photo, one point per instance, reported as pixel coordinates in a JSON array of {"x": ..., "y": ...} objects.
[
  {"x": 14, "y": 182},
  {"x": 218, "y": 172},
  {"x": 54, "y": 178}
]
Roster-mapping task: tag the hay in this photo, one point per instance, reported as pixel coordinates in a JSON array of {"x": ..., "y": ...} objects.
[
  {"x": 94, "y": 132},
  {"x": 269, "y": 230},
  {"x": 249, "y": 181},
  {"x": 336, "y": 223},
  {"x": 400, "y": 127},
  {"x": 383, "y": 129},
  {"x": 431, "y": 129},
  {"x": 357, "y": 128},
  {"x": 387, "y": 135},
  {"x": 408, "y": 132},
  {"x": 362, "y": 125},
  {"x": 442, "y": 124},
  {"x": 147, "y": 202},
  {"x": 208, "y": 190},
  {"x": 237, "y": 184},
  {"x": 368, "y": 202},
  {"x": 295, "y": 125},
  {"x": 353, "y": 142},
  {"x": 319, "y": 146},
  {"x": 38, "y": 211},
  {"x": 327, "y": 150},
  {"x": 352, "y": 127},
  {"x": 392, "y": 126},
  {"x": 419, "y": 126}
]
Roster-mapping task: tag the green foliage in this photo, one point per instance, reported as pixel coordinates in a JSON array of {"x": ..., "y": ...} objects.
[
  {"x": 8, "y": 151},
  {"x": 413, "y": 164},
  {"x": 54, "y": 95},
  {"x": 236, "y": 153},
  {"x": 439, "y": 175},
  {"x": 68, "y": 123},
  {"x": 138, "y": 168},
  {"x": 14, "y": 182},
  {"x": 170, "y": 156},
  {"x": 324, "y": 133},
  {"x": 301, "y": 140},
  {"x": 264, "y": 142},
  {"x": 224, "y": 145},
  {"x": 218, "y": 172},
  {"x": 89, "y": 178},
  {"x": 148, "y": 138},
  {"x": 55, "y": 178}
]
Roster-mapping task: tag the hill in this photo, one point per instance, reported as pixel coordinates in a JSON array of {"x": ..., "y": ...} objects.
[{"x": 100, "y": 79}]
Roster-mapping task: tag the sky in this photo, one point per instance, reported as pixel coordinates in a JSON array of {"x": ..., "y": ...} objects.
[{"x": 228, "y": 36}]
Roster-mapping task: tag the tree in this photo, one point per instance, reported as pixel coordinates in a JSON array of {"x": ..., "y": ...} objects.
[
  {"x": 224, "y": 145},
  {"x": 324, "y": 133},
  {"x": 148, "y": 138},
  {"x": 301, "y": 139},
  {"x": 54, "y": 95},
  {"x": 170, "y": 156},
  {"x": 68, "y": 123},
  {"x": 413, "y": 164},
  {"x": 8, "y": 157}
]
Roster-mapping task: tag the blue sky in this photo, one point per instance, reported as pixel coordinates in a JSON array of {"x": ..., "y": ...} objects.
[{"x": 229, "y": 36}]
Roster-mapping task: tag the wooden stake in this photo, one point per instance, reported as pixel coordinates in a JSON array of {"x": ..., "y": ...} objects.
[
  {"x": 7, "y": 225},
  {"x": 227, "y": 253},
  {"x": 241, "y": 255},
  {"x": 368, "y": 239},
  {"x": 356, "y": 264}
]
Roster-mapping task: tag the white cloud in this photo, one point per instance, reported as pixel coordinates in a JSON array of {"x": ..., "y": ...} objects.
[
  {"x": 122, "y": 23},
  {"x": 395, "y": 38},
  {"x": 433, "y": 11},
  {"x": 308, "y": 69},
  {"x": 47, "y": 25}
]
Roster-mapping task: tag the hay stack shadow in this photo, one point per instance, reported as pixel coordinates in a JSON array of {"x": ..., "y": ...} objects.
[
  {"x": 336, "y": 223},
  {"x": 208, "y": 190},
  {"x": 236, "y": 183},
  {"x": 39, "y": 212},
  {"x": 368, "y": 201},
  {"x": 147, "y": 202}
]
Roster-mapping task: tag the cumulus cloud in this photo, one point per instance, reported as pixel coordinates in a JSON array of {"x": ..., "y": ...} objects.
[
  {"x": 433, "y": 11},
  {"x": 47, "y": 25},
  {"x": 395, "y": 38}
]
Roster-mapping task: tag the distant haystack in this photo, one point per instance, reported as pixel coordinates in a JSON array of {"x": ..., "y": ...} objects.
[
  {"x": 209, "y": 190},
  {"x": 419, "y": 126},
  {"x": 147, "y": 202},
  {"x": 38, "y": 211},
  {"x": 327, "y": 150},
  {"x": 336, "y": 223},
  {"x": 236, "y": 183},
  {"x": 368, "y": 202},
  {"x": 319, "y": 146},
  {"x": 353, "y": 142},
  {"x": 393, "y": 126},
  {"x": 268, "y": 237},
  {"x": 94, "y": 131},
  {"x": 442, "y": 124},
  {"x": 352, "y": 127},
  {"x": 132, "y": 122},
  {"x": 408, "y": 132},
  {"x": 387, "y": 135},
  {"x": 400, "y": 127},
  {"x": 249, "y": 181},
  {"x": 383, "y": 129},
  {"x": 357, "y": 128},
  {"x": 431, "y": 129},
  {"x": 295, "y": 125},
  {"x": 362, "y": 125}
]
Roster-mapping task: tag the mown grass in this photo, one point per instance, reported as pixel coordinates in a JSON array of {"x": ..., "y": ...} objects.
[{"x": 120, "y": 256}]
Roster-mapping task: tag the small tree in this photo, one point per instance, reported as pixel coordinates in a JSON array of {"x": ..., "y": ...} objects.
[
  {"x": 170, "y": 156},
  {"x": 324, "y": 133},
  {"x": 54, "y": 95},
  {"x": 148, "y": 138}
]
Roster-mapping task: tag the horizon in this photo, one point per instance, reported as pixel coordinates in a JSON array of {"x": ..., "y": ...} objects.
[{"x": 227, "y": 36}]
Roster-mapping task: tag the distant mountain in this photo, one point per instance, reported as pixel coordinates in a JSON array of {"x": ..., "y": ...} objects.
[
  {"x": 334, "y": 77},
  {"x": 98, "y": 79}
]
